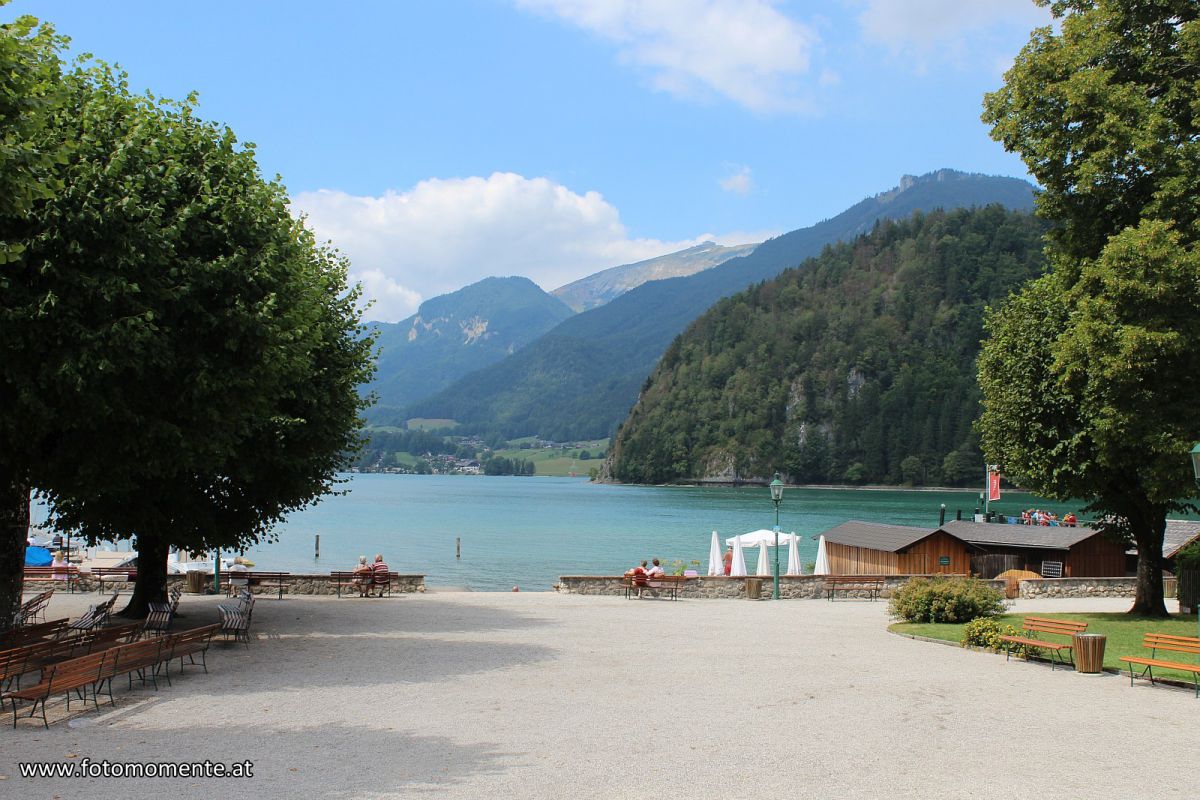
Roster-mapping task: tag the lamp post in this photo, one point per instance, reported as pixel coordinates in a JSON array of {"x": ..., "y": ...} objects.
[{"x": 776, "y": 498}]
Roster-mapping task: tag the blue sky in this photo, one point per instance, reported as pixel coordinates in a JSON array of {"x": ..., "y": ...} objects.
[{"x": 438, "y": 143}]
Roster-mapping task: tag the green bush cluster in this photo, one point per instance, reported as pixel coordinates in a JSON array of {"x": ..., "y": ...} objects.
[
  {"x": 986, "y": 632},
  {"x": 945, "y": 600}
]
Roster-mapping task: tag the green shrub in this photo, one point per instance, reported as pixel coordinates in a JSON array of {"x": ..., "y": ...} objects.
[
  {"x": 1188, "y": 557},
  {"x": 986, "y": 632},
  {"x": 945, "y": 600}
]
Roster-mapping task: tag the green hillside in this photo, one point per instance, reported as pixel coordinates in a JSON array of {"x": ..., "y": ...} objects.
[
  {"x": 857, "y": 367},
  {"x": 580, "y": 379}
]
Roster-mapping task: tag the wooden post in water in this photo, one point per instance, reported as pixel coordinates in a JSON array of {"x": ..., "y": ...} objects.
[
  {"x": 458, "y": 547},
  {"x": 318, "y": 546}
]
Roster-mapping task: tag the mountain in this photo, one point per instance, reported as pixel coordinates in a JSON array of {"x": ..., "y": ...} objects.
[
  {"x": 598, "y": 289},
  {"x": 858, "y": 367},
  {"x": 455, "y": 334},
  {"x": 580, "y": 379}
]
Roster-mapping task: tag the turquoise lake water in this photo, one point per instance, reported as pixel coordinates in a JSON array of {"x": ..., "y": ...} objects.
[{"x": 529, "y": 531}]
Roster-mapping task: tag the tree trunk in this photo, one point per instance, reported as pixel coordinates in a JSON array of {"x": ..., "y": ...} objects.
[
  {"x": 1149, "y": 539},
  {"x": 14, "y": 533},
  {"x": 151, "y": 583}
]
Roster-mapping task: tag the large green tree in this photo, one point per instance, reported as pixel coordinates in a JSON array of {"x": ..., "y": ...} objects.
[
  {"x": 30, "y": 74},
  {"x": 178, "y": 356},
  {"x": 1088, "y": 373}
]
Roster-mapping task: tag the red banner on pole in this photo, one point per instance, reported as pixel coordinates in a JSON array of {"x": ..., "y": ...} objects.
[{"x": 993, "y": 486}]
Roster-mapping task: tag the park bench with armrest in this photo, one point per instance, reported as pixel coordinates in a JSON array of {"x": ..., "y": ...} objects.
[
  {"x": 353, "y": 580},
  {"x": 76, "y": 674},
  {"x": 31, "y": 634},
  {"x": 669, "y": 585},
  {"x": 1042, "y": 625},
  {"x": 67, "y": 575},
  {"x": 871, "y": 584},
  {"x": 1175, "y": 644},
  {"x": 190, "y": 643},
  {"x": 33, "y": 610},
  {"x": 104, "y": 576},
  {"x": 266, "y": 580}
]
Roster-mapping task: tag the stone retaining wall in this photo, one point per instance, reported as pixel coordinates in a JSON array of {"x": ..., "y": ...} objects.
[
  {"x": 791, "y": 587},
  {"x": 292, "y": 584},
  {"x": 1079, "y": 587}
]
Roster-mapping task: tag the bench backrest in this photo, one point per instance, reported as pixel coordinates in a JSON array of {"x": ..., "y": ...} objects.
[
  {"x": 1178, "y": 644},
  {"x": 75, "y": 673},
  {"x": 135, "y": 655},
  {"x": 1062, "y": 627}
]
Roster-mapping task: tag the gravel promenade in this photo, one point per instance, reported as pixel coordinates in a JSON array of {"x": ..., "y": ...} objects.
[{"x": 533, "y": 695}]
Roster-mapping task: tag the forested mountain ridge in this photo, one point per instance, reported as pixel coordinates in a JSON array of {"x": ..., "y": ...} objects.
[
  {"x": 857, "y": 367},
  {"x": 580, "y": 380},
  {"x": 455, "y": 334}
]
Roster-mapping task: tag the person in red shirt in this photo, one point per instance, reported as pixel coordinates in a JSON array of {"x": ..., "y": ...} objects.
[{"x": 379, "y": 571}]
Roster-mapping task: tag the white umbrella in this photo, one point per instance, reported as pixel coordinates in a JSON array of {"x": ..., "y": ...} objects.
[
  {"x": 794, "y": 565},
  {"x": 716, "y": 560},
  {"x": 739, "y": 560},
  {"x": 755, "y": 538},
  {"x": 764, "y": 564},
  {"x": 822, "y": 567}
]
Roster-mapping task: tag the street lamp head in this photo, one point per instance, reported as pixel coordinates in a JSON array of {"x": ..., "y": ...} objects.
[
  {"x": 1196, "y": 462},
  {"x": 777, "y": 488}
]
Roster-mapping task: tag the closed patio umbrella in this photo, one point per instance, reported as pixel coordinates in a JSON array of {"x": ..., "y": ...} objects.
[
  {"x": 794, "y": 565},
  {"x": 822, "y": 567},
  {"x": 716, "y": 561},
  {"x": 738, "y": 569},
  {"x": 764, "y": 563}
]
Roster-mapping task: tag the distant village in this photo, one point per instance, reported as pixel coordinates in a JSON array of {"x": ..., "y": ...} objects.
[{"x": 473, "y": 455}]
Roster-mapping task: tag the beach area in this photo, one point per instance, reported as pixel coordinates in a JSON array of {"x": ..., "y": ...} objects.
[{"x": 541, "y": 695}]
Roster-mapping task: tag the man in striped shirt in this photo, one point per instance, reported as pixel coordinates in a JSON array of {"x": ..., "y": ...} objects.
[{"x": 379, "y": 571}]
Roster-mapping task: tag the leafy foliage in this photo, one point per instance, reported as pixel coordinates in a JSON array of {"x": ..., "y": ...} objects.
[
  {"x": 580, "y": 380},
  {"x": 986, "y": 632},
  {"x": 856, "y": 367},
  {"x": 179, "y": 359},
  {"x": 1104, "y": 114},
  {"x": 945, "y": 600}
]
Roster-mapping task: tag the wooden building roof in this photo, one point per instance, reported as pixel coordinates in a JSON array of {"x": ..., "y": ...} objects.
[
  {"x": 876, "y": 536},
  {"x": 1045, "y": 537}
]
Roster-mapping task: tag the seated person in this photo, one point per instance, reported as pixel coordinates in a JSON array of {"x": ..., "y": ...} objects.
[
  {"x": 237, "y": 575},
  {"x": 59, "y": 567},
  {"x": 380, "y": 574},
  {"x": 363, "y": 577},
  {"x": 655, "y": 571},
  {"x": 638, "y": 574}
]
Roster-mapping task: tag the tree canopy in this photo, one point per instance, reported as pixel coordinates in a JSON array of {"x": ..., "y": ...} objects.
[
  {"x": 1087, "y": 373},
  {"x": 178, "y": 356}
]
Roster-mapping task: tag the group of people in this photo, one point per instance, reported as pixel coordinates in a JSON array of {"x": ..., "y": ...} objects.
[
  {"x": 368, "y": 576},
  {"x": 642, "y": 573},
  {"x": 1035, "y": 516}
]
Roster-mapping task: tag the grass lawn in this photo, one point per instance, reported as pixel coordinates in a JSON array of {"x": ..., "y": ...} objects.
[
  {"x": 1123, "y": 631},
  {"x": 556, "y": 462}
]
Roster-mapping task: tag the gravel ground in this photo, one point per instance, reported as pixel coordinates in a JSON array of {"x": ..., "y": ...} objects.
[{"x": 531, "y": 695}]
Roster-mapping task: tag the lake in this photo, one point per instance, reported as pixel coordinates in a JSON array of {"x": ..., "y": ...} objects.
[{"x": 529, "y": 531}]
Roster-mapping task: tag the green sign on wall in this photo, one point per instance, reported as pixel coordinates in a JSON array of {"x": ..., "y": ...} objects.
[{"x": 944, "y": 561}]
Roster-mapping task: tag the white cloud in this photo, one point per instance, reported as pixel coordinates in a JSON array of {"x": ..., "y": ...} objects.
[
  {"x": 739, "y": 182},
  {"x": 443, "y": 234},
  {"x": 925, "y": 29},
  {"x": 745, "y": 50}
]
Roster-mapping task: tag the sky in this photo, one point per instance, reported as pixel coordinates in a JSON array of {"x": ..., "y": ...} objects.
[{"x": 438, "y": 143}]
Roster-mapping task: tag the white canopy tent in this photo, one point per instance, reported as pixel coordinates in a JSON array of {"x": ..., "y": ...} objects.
[
  {"x": 716, "y": 560},
  {"x": 756, "y": 538},
  {"x": 822, "y": 567},
  {"x": 738, "y": 569},
  {"x": 794, "y": 565}
]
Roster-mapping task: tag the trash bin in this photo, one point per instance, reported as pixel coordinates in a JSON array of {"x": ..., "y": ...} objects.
[
  {"x": 1089, "y": 652},
  {"x": 196, "y": 581},
  {"x": 754, "y": 588}
]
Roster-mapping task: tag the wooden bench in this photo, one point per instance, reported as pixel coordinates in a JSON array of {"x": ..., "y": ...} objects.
[
  {"x": 872, "y": 585},
  {"x": 109, "y": 575},
  {"x": 266, "y": 580},
  {"x": 351, "y": 580},
  {"x": 1058, "y": 627},
  {"x": 1175, "y": 644},
  {"x": 68, "y": 575},
  {"x": 76, "y": 674},
  {"x": 670, "y": 585}
]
